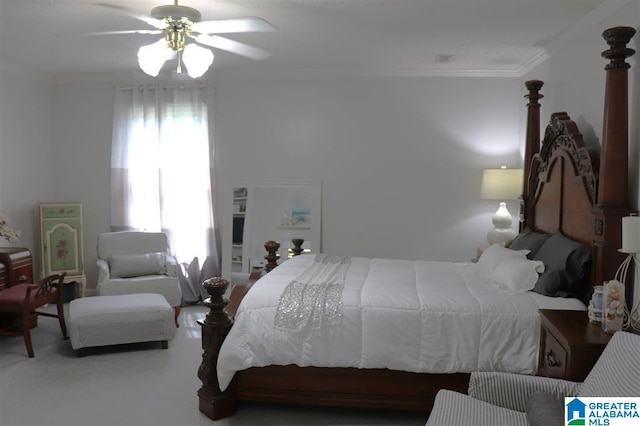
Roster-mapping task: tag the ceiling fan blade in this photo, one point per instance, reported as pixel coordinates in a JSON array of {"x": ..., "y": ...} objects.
[
  {"x": 126, "y": 32},
  {"x": 134, "y": 14},
  {"x": 238, "y": 25},
  {"x": 232, "y": 46}
]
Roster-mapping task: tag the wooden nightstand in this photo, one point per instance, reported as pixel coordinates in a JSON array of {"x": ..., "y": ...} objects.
[{"x": 569, "y": 344}]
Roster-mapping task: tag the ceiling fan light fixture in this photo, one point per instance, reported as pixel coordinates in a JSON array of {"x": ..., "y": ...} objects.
[
  {"x": 197, "y": 60},
  {"x": 176, "y": 12},
  {"x": 152, "y": 57},
  {"x": 178, "y": 23}
]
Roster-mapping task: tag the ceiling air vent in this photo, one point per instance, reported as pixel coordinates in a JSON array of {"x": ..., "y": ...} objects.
[{"x": 444, "y": 58}]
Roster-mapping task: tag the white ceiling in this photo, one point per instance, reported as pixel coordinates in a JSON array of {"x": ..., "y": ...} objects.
[{"x": 500, "y": 37}]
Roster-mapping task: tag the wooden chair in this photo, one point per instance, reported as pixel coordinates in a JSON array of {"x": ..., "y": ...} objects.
[{"x": 26, "y": 298}]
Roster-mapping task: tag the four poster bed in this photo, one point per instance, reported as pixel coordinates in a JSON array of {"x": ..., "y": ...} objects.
[{"x": 574, "y": 193}]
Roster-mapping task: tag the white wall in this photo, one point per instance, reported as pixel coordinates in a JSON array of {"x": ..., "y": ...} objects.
[
  {"x": 400, "y": 158},
  {"x": 26, "y": 153},
  {"x": 82, "y": 123},
  {"x": 55, "y": 146}
]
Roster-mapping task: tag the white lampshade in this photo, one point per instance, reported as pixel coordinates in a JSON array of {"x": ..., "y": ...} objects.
[
  {"x": 630, "y": 234},
  {"x": 197, "y": 60},
  {"x": 501, "y": 184},
  {"x": 152, "y": 56}
]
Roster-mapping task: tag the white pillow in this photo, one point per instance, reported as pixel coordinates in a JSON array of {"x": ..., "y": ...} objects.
[
  {"x": 515, "y": 276},
  {"x": 491, "y": 257},
  {"x": 136, "y": 265}
]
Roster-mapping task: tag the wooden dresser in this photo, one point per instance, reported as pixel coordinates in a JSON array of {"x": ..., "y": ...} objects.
[{"x": 17, "y": 266}]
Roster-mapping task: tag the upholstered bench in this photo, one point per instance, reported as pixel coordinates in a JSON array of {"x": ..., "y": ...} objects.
[{"x": 119, "y": 319}]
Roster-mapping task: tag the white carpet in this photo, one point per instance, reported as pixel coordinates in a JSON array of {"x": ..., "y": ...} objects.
[{"x": 136, "y": 385}]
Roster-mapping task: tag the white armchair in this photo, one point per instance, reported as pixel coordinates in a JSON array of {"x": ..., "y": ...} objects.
[
  {"x": 512, "y": 399},
  {"x": 137, "y": 262}
]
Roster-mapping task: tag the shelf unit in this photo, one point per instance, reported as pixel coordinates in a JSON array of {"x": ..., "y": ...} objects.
[
  {"x": 268, "y": 205},
  {"x": 241, "y": 224}
]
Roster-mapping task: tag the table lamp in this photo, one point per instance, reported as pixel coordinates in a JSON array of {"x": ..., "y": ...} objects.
[{"x": 501, "y": 184}]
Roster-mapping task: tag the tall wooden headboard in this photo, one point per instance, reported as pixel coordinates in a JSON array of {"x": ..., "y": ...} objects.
[{"x": 592, "y": 195}]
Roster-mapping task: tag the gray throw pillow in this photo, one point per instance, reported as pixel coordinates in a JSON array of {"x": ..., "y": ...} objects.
[
  {"x": 543, "y": 409},
  {"x": 136, "y": 265},
  {"x": 567, "y": 268},
  {"x": 529, "y": 240}
]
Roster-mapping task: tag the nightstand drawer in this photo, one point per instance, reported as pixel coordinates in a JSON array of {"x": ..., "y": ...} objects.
[{"x": 553, "y": 357}]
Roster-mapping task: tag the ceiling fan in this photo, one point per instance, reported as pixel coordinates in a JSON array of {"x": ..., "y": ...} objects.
[{"x": 178, "y": 23}]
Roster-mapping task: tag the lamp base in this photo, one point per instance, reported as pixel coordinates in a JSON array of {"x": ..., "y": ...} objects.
[
  {"x": 502, "y": 231},
  {"x": 502, "y": 236}
]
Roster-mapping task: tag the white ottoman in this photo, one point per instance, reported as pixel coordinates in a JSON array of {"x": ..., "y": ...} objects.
[{"x": 120, "y": 319}]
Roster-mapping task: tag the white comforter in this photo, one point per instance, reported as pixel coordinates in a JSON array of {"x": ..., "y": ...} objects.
[{"x": 417, "y": 316}]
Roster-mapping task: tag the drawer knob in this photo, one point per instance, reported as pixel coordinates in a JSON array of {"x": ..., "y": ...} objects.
[{"x": 551, "y": 359}]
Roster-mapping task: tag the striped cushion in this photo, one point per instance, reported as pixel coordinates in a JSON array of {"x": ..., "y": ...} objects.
[
  {"x": 616, "y": 373},
  {"x": 513, "y": 390},
  {"x": 453, "y": 408}
]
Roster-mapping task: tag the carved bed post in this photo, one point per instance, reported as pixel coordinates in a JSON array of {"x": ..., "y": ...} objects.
[
  {"x": 272, "y": 258},
  {"x": 532, "y": 145},
  {"x": 297, "y": 246},
  {"x": 613, "y": 192},
  {"x": 212, "y": 402}
]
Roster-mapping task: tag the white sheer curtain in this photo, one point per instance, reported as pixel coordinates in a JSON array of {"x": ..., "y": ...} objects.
[{"x": 161, "y": 174}]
